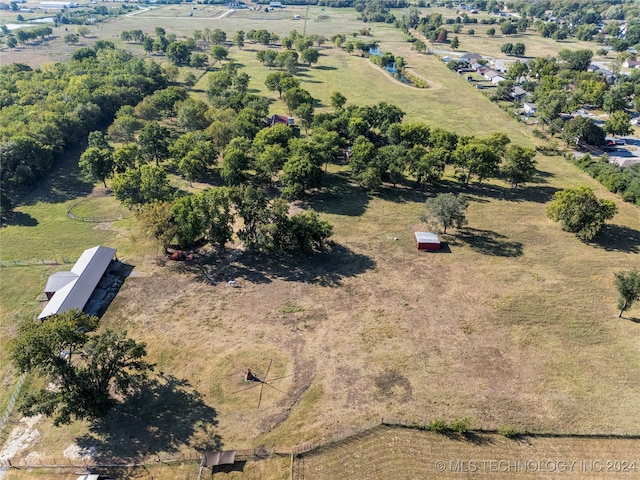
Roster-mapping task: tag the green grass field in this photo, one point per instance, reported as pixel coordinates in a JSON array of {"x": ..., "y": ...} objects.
[{"x": 515, "y": 325}]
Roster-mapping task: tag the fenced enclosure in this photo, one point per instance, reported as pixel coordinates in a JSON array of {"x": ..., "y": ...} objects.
[
  {"x": 37, "y": 261},
  {"x": 98, "y": 210}
]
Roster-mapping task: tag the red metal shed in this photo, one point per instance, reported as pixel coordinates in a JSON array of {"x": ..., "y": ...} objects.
[{"x": 427, "y": 241}]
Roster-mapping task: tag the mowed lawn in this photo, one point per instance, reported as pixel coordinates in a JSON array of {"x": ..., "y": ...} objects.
[{"x": 513, "y": 324}]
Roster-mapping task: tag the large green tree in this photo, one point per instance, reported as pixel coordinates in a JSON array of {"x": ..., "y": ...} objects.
[
  {"x": 234, "y": 162},
  {"x": 219, "y": 53},
  {"x": 154, "y": 142},
  {"x": 215, "y": 205},
  {"x": 91, "y": 371},
  {"x": 618, "y": 123},
  {"x": 519, "y": 165},
  {"x": 142, "y": 185},
  {"x": 628, "y": 285},
  {"x": 189, "y": 220},
  {"x": 156, "y": 221},
  {"x": 427, "y": 165},
  {"x": 299, "y": 174},
  {"x": 583, "y": 129},
  {"x": 97, "y": 163},
  {"x": 579, "y": 211},
  {"x": 178, "y": 53},
  {"x": 577, "y": 60},
  {"x": 362, "y": 164},
  {"x": 476, "y": 158},
  {"x": 192, "y": 115},
  {"x": 447, "y": 210}
]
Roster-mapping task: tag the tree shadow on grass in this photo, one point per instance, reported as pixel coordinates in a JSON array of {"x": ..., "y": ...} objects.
[
  {"x": 618, "y": 238},
  {"x": 402, "y": 193},
  {"x": 63, "y": 183},
  {"x": 527, "y": 193},
  {"x": 165, "y": 416},
  {"x": 470, "y": 436},
  {"x": 22, "y": 219},
  {"x": 480, "y": 192},
  {"x": 324, "y": 67},
  {"x": 327, "y": 268},
  {"x": 340, "y": 197},
  {"x": 488, "y": 242}
]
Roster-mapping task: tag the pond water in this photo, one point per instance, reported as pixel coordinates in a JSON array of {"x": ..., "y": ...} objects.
[{"x": 391, "y": 68}]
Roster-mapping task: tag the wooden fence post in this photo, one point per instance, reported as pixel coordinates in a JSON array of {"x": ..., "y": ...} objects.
[{"x": 291, "y": 474}]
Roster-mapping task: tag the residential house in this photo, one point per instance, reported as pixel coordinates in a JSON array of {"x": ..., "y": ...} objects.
[
  {"x": 489, "y": 74},
  {"x": 530, "y": 109},
  {"x": 468, "y": 57},
  {"x": 518, "y": 93}
]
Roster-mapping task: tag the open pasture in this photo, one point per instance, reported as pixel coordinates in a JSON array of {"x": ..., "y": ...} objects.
[{"x": 513, "y": 324}]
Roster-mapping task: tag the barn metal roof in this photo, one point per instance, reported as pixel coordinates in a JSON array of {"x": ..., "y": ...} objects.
[
  {"x": 427, "y": 237},
  {"x": 88, "y": 271},
  {"x": 59, "y": 280}
]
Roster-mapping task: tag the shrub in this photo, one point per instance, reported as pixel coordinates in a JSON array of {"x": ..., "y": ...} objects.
[
  {"x": 510, "y": 432},
  {"x": 539, "y": 133},
  {"x": 438, "y": 425},
  {"x": 460, "y": 425}
]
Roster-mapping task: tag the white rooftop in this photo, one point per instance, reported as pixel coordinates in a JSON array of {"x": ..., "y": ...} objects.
[
  {"x": 427, "y": 237},
  {"x": 75, "y": 293}
]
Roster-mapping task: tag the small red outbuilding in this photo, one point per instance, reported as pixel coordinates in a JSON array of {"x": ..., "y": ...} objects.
[{"x": 427, "y": 241}]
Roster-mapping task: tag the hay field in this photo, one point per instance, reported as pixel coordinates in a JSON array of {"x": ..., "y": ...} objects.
[
  {"x": 407, "y": 454},
  {"x": 515, "y": 324}
]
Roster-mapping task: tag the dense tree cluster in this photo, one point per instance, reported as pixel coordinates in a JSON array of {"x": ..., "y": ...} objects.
[
  {"x": 46, "y": 110},
  {"x": 378, "y": 10},
  {"x": 383, "y": 149},
  {"x": 517, "y": 50},
  {"x": 623, "y": 181}
]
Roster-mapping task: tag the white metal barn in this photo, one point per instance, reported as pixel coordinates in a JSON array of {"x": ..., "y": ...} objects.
[{"x": 67, "y": 290}]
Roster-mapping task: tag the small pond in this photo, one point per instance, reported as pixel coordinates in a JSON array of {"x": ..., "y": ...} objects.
[{"x": 391, "y": 68}]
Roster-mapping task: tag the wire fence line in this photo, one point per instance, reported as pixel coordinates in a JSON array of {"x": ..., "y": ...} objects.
[
  {"x": 85, "y": 462},
  {"x": 297, "y": 453},
  {"x": 126, "y": 462},
  {"x": 12, "y": 402},
  {"x": 37, "y": 261},
  {"x": 118, "y": 215}
]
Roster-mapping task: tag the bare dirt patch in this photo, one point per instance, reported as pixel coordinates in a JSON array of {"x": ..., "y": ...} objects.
[{"x": 23, "y": 436}]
